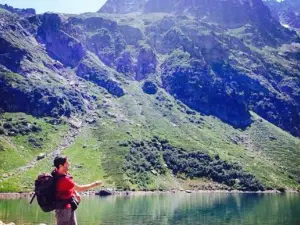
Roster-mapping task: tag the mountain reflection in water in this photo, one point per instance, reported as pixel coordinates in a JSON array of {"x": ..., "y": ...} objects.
[{"x": 167, "y": 209}]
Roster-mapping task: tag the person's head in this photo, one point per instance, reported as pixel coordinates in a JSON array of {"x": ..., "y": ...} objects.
[{"x": 61, "y": 163}]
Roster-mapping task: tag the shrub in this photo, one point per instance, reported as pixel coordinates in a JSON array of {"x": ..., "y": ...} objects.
[
  {"x": 2, "y": 131},
  {"x": 145, "y": 156},
  {"x": 7, "y": 125}
]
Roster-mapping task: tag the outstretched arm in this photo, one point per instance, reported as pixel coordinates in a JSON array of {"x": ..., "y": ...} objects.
[{"x": 86, "y": 187}]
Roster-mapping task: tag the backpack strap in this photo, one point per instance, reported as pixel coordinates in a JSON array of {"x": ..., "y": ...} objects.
[{"x": 32, "y": 198}]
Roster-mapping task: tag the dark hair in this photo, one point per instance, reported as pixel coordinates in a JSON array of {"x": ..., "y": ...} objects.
[{"x": 59, "y": 160}]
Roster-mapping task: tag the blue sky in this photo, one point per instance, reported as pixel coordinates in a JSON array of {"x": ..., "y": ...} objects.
[{"x": 63, "y": 6}]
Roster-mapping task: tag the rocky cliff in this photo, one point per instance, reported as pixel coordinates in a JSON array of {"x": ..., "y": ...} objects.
[
  {"x": 287, "y": 12},
  {"x": 232, "y": 13},
  {"x": 221, "y": 73},
  {"x": 20, "y": 12}
]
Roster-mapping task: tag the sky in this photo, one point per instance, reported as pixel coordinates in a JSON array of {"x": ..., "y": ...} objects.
[{"x": 62, "y": 6}]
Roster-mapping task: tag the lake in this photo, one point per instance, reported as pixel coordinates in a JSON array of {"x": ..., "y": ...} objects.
[{"x": 168, "y": 208}]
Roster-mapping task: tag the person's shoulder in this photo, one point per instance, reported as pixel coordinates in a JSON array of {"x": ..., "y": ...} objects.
[
  {"x": 65, "y": 181},
  {"x": 67, "y": 178}
]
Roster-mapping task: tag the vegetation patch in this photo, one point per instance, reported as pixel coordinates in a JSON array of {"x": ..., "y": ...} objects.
[
  {"x": 25, "y": 144},
  {"x": 18, "y": 126},
  {"x": 158, "y": 156}
]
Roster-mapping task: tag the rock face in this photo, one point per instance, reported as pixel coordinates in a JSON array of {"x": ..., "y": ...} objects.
[
  {"x": 11, "y": 56},
  {"x": 287, "y": 12},
  {"x": 20, "y": 12},
  {"x": 232, "y": 13},
  {"x": 193, "y": 83},
  {"x": 146, "y": 62},
  {"x": 59, "y": 44},
  {"x": 123, "y": 6},
  {"x": 221, "y": 58}
]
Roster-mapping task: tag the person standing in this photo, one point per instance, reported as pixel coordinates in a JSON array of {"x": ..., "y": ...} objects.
[{"x": 67, "y": 196}]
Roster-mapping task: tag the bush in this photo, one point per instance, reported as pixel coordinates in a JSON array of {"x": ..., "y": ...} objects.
[
  {"x": 19, "y": 126},
  {"x": 144, "y": 157},
  {"x": 36, "y": 143},
  {"x": 7, "y": 125},
  {"x": 2, "y": 131}
]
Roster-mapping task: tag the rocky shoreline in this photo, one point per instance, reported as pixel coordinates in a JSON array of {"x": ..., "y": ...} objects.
[
  {"x": 1, "y": 223},
  {"x": 134, "y": 193}
]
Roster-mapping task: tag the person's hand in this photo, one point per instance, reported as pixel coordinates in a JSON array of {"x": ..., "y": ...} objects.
[
  {"x": 77, "y": 195},
  {"x": 98, "y": 183}
]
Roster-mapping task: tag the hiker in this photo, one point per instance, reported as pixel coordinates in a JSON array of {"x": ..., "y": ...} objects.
[{"x": 67, "y": 195}]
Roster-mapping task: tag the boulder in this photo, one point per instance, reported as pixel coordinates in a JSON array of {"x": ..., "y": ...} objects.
[
  {"x": 41, "y": 156},
  {"x": 150, "y": 88},
  {"x": 75, "y": 122},
  {"x": 105, "y": 192},
  {"x": 154, "y": 172}
]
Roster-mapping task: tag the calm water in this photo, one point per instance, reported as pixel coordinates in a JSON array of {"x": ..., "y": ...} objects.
[{"x": 162, "y": 209}]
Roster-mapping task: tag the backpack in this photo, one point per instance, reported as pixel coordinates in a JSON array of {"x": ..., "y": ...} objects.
[{"x": 45, "y": 191}]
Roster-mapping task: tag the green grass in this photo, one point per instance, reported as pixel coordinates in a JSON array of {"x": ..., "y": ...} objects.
[
  {"x": 10, "y": 157},
  {"x": 17, "y": 151}
]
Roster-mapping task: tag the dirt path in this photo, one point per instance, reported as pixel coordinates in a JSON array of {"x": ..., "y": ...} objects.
[{"x": 66, "y": 142}]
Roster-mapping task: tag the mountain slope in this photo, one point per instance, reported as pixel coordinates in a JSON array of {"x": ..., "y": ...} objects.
[{"x": 160, "y": 100}]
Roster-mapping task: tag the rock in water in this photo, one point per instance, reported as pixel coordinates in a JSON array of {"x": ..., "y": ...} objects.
[{"x": 104, "y": 192}]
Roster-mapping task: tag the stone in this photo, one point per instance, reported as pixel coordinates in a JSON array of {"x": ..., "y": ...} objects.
[
  {"x": 75, "y": 122},
  {"x": 154, "y": 172},
  {"x": 90, "y": 120},
  {"x": 105, "y": 192},
  {"x": 41, "y": 156}
]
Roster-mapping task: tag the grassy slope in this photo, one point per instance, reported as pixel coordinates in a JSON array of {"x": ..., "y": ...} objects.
[
  {"x": 18, "y": 152},
  {"x": 263, "y": 149}
]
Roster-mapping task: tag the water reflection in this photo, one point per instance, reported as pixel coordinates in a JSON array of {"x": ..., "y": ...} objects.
[{"x": 165, "y": 209}]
